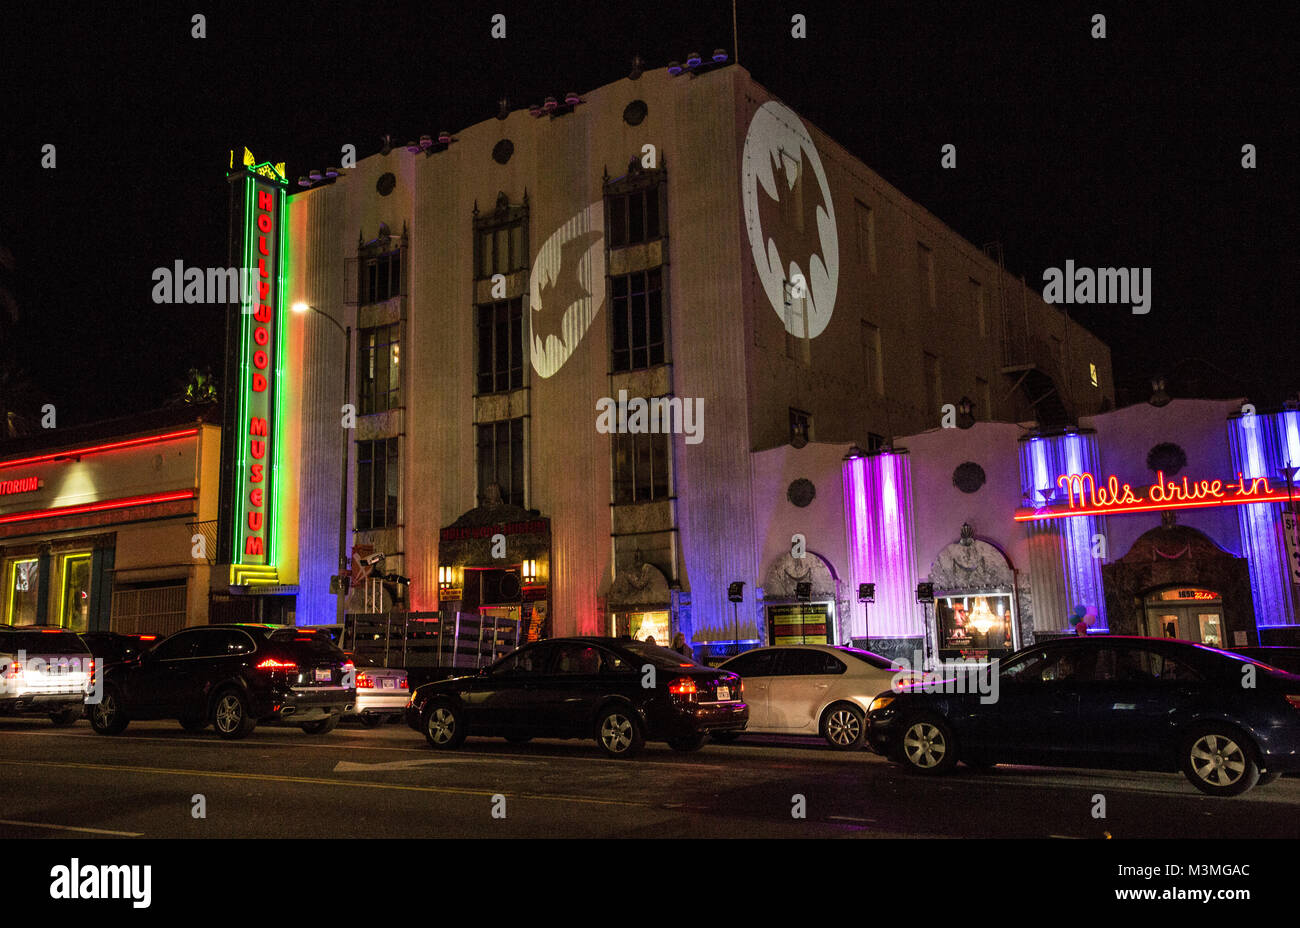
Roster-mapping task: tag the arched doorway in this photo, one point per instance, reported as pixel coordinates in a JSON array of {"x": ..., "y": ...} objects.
[
  {"x": 802, "y": 602},
  {"x": 1173, "y": 579}
]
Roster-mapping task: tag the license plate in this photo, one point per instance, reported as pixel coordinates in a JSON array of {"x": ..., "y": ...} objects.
[
  {"x": 324, "y": 675},
  {"x": 388, "y": 684},
  {"x": 724, "y": 692}
]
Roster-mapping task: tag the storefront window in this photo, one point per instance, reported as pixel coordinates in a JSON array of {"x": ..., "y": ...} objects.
[
  {"x": 643, "y": 625},
  {"x": 22, "y": 582},
  {"x": 76, "y": 592},
  {"x": 976, "y": 626},
  {"x": 799, "y": 623}
]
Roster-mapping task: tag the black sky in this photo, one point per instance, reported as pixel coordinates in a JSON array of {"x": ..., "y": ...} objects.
[{"x": 1117, "y": 152}]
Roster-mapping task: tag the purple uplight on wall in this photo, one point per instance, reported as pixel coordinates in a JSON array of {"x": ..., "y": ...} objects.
[
  {"x": 1267, "y": 446},
  {"x": 879, "y": 521}
]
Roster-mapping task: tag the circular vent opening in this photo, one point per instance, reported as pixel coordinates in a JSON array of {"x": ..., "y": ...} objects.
[
  {"x": 502, "y": 151},
  {"x": 387, "y": 181},
  {"x": 635, "y": 112}
]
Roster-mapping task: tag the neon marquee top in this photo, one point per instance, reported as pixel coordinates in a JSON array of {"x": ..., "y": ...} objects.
[{"x": 1086, "y": 498}]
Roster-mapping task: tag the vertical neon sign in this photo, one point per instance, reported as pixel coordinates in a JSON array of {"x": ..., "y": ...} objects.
[{"x": 258, "y": 423}]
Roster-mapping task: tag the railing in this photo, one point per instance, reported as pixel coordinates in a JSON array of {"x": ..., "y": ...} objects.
[{"x": 430, "y": 640}]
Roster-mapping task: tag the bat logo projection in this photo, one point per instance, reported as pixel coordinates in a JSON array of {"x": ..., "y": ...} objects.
[
  {"x": 790, "y": 220},
  {"x": 567, "y": 288}
]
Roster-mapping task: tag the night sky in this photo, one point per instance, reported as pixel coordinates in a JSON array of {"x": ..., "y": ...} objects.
[{"x": 1123, "y": 151}]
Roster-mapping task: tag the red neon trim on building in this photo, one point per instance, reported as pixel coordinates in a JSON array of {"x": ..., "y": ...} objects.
[
  {"x": 97, "y": 449},
  {"x": 98, "y": 507}
]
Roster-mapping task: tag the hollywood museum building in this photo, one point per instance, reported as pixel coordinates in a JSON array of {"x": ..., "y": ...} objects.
[{"x": 861, "y": 428}]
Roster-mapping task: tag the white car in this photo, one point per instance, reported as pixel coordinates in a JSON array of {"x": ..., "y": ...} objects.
[{"x": 811, "y": 689}]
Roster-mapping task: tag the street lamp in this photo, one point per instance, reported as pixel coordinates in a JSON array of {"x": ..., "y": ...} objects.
[{"x": 301, "y": 307}]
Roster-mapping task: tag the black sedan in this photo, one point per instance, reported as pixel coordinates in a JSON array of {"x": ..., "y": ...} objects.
[
  {"x": 619, "y": 691},
  {"x": 231, "y": 677},
  {"x": 1109, "y": 702}
]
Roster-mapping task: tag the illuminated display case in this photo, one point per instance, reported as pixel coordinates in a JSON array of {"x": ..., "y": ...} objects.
[{"x": 976, "y": 626}]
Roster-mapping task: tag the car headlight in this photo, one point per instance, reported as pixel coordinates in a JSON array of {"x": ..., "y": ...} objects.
[{"x": 880, "y": 702}]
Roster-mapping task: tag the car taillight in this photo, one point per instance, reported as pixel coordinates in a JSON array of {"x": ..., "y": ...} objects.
[
  {"x": 272, "y": 664},
  {"x": 401, "y": 684},
  {"x": 682, "y": 686},
  {"x": 364, "y": 682},
  {"x": 15, "y": 670},
  {"x": 1294, "y": 699}
]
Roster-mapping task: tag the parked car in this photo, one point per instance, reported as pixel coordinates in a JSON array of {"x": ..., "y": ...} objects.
[
  {"x": 382, "y": 692},
  {"x": 1114, "y": 702},
  {"x": 619, "y": 691},
  {"x": 810, "y": 689},
  {"x": 230, "y": 676},
  {"x": 44, "y": 670},
  {"x": 1279, "y": 656}
]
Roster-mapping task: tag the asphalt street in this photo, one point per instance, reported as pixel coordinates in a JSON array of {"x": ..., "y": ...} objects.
[{"x": 354, "y": 782}]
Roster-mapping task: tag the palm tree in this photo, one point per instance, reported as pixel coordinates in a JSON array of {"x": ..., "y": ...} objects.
[{"x": 198, "y": 389}]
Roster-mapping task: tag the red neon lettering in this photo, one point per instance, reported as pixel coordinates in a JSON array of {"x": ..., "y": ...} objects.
[
  {"x": 253, "y": 544},
  {"x": 259, "y": 383},
  {"x": 261, "y": 245},
  {"x": 1074, "y": 484},
  {"x": 263, "y": 291},
  {"x": 255, "y": 521},
  {"x": 257, "y": 426},
  {"x": 260, "y": 360},
  {"x": 264, "y": 200},
  {"x": 264, "y": 224},
  {"x": 255, "y": 497},
  {"x": 260, "y": 335},
  {"x": 257, "y": 449},
  {"x": 261, "y": 268},
  {"x": 256, "y": 475},
  {"x": 263, "y": 313}
]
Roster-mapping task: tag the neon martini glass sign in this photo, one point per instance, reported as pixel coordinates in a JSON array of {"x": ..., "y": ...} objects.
[{"x": 1086, "y": 497}]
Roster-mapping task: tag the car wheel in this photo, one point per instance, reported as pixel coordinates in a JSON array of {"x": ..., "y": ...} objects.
[
  {"x": 927, "y": 746},
  {"x": 619, "y": 733},
  {"x": 724, "y": 737},
  {"x": 108, "y": 716},
  {"x": 444, "y": 726},
  {"x": 193, "y": 725},
  {"x": 687, "y": 743},
  {"x": 322, "y": 726},
  {"x": 231, "y": 717},
  {"x": 65, "y": 718},
  {"x": 1267, "y": 777},
  {"x": 844, "y": 727},
  {"x": 519, "y": 739},
  {"x": 373, "y": 720},
  {"x": 1219, "y": 761}
]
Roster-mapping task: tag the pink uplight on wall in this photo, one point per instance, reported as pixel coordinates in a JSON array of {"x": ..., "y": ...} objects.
[{"x": 879, "y": 521}]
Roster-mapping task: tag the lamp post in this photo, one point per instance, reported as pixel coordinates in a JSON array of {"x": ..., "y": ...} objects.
[{"x": 343, "y": 477}]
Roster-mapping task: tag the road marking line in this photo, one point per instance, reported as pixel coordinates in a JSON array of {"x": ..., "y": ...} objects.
[
  {"x": 347, "y": 766},
  {"x": 320, "y": 781},
  {"x": 848, "y": 818},
  {"x": 93, "y": 831}
]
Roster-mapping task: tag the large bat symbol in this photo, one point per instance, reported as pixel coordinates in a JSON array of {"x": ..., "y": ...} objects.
[
  {"x": 564, "y": 290},
  {"x": 791, "y": 218}
]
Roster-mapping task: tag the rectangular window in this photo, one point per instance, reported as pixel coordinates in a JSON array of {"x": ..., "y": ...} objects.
[
  {"x": 637, "y": 317},
  {"x": 634, "y": 217},
  {"x": 925, "y": 273},
  {"x": 75, "y": 607},
  {"x": 501, "y": 459},
  {"x": 378, "y": 369},
  {"x": 875, "y": 442},
  {"x": 641, "y": 467},
  {"x": 866, "y": 217},
  {"x": 800, "y": 427},
  {"x": 872, "y": 368},
  {"x": 977, "y": 303},
  {"x": 378, "y": 483},
  {"x": 933, "y": 388},
  {"x": 500, "y": 250},
  {"x": 22, "y": 581},
  {"x": 381, "y": 278},
  {"x": 501, "y": 346}
]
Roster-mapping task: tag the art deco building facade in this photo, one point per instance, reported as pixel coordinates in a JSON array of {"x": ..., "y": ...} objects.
[{"x": 685, "y": 237}]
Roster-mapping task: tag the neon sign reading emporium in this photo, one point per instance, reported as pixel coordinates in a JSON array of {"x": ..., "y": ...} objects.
[{"x": 1085, "y": 497}]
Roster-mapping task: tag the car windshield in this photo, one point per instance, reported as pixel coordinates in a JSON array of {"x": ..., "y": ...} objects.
[
  {"x": 43, "y": 642},
  {"x": 869, "y": 657},
  {"x": 362, "y": 660},
  {"x": 661, "y": 657}
]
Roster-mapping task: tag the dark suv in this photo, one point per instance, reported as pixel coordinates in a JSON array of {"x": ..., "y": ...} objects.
[
  {"x": 232, "y": 677},
  {"x": 44, "y": 671}
]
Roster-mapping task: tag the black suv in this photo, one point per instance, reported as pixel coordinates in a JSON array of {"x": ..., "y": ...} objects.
[
  {"x": 44, "y": 670},
  {"x": 232, "y": 677}
]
